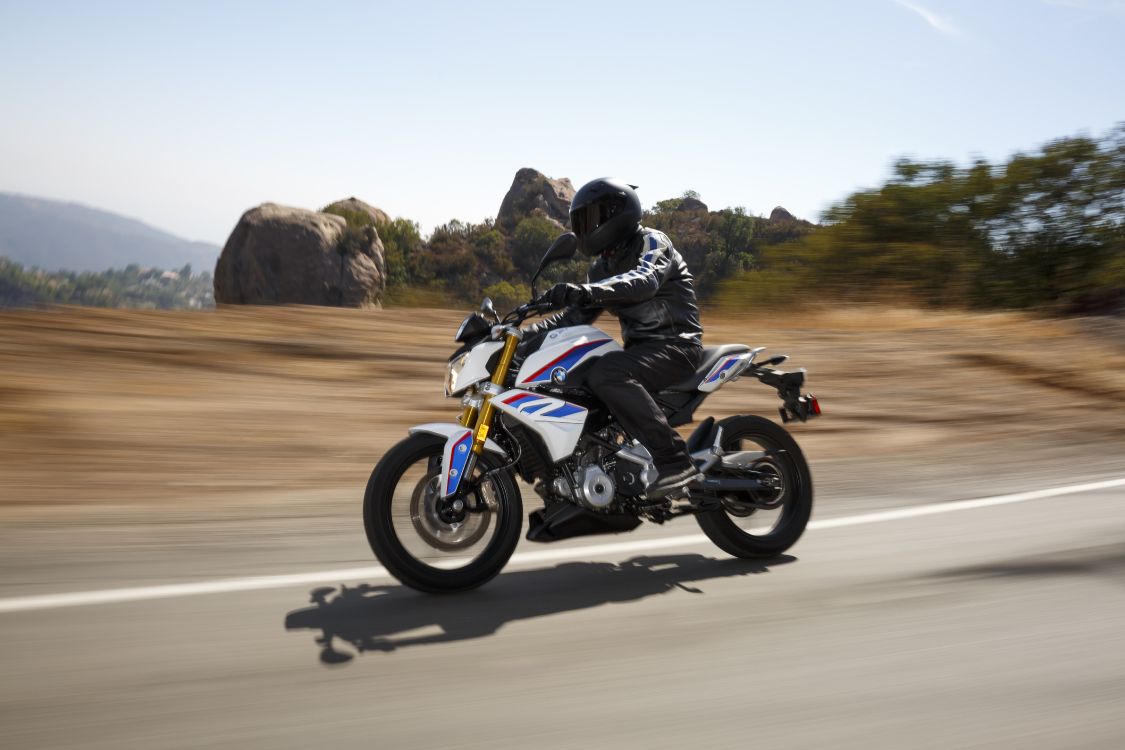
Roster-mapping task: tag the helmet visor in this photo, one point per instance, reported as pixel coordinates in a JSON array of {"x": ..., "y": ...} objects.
[{"x": 586, "y": 219}]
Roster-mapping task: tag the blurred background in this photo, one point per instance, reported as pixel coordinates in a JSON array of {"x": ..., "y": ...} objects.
[{"x": 236, "y": 240}]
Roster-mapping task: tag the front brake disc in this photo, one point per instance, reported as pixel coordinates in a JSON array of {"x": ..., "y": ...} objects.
[{"x": 436, "y": 531}]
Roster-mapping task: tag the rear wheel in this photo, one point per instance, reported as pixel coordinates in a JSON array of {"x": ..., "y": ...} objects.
[
  {"x": 763, "y": 523},
  {"x": 431, "y": 544}
]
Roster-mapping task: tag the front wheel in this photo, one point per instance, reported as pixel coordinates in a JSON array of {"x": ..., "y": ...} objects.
[
  {"x": 771, "y": 521},
  {"x": 420, "y": 539}
]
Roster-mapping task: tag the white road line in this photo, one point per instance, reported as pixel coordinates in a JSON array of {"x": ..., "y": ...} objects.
[
  {"x": 916, "y": 511},
  {"x": 254, "y": 583}
]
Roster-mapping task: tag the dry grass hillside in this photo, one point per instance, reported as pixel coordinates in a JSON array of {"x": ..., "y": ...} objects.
[{"x": 118, "y": 408}]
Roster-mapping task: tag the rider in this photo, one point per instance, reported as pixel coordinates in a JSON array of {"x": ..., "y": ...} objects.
[{"x": 638, "y": 276}]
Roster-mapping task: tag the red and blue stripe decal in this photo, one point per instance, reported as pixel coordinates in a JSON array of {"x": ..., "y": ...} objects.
[
  {"x": 527, "y": 403},
  {"x": 718, "y": 373},
  {"x": 565, "y": 361},
  {"x": 455, "y": 465},
  {"x": 530, "y": 403},
  {"x": 563, "y": 411},
  {"x": 519, "y": 398}
]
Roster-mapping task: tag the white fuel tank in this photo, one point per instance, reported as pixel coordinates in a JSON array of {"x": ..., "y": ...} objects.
[{"x": 562, "y": 351}]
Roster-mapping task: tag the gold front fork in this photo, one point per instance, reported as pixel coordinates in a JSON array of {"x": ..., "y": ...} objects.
[{"x": 499, "y": 375}]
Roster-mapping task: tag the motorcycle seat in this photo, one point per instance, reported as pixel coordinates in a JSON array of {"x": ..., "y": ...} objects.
[{"x": 711, "y": 357}]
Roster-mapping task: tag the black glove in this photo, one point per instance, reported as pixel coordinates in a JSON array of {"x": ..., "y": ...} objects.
[{"x": 565, "y": 295}]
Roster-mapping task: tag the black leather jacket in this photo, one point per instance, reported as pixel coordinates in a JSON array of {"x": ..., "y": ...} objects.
[{"x": 647, "y": 285}]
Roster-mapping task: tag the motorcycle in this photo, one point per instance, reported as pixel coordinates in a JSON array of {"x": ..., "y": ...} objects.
[{"x": 443, "y": 510}]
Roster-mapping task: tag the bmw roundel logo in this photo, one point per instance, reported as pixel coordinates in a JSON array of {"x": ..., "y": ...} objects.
[
  {"x": 453, "y": 472},
  {"x": 461, "y": 449},
  {"x": 559, "y": 375}
]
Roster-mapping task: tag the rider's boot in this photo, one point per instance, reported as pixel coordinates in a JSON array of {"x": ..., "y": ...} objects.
[{"x": 672, "y": 478}]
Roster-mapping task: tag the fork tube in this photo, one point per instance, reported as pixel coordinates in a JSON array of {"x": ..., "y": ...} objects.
[{"x": 499, "y": 375}]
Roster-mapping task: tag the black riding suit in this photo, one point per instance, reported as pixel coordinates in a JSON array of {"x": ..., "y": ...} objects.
[{"x": 647, "y": 285}]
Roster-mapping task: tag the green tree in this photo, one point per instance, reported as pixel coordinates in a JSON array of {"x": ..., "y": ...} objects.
[
  {"x": 401, "y": 242},
  {"x": 531, "y": 238},
  {"x": 506, "y": 295},
  {"x": 1043, "y": 229}
]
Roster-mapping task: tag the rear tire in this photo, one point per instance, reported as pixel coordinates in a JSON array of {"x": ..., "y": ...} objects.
[
  {"x": 796, "y": 506},
  {"x": 379, "y": 502}
]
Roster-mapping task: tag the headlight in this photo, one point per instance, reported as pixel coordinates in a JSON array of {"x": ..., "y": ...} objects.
[{"x": 453, "y": 372}]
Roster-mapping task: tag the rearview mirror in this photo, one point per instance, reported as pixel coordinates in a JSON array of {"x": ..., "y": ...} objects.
[
  {"x": 488, "y": 309},
  {"x": 563, "y": 248}
]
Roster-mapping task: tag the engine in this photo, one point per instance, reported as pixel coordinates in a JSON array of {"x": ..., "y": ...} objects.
[
  {"x": 588, "y": 484},
  {"x": 633, "y": 469},
  {"x": 600, "y": 474}
]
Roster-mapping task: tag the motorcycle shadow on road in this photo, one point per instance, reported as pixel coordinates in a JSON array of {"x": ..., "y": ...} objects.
[{"x": 384, "y": 618}]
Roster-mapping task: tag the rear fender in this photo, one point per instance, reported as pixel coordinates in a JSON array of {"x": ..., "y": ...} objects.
[{"x": 457, "y": 452}]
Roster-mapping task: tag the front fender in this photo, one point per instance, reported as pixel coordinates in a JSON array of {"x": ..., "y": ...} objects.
[
  {"x": 455, "y": 455},
  {"x": 449, "y": 429}
]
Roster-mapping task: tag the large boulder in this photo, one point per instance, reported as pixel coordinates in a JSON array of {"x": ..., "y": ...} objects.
[
  {"x": 354, "y": 206},
  {"x": 535, "y": 194},
  {"x": 279, "y": 255}
]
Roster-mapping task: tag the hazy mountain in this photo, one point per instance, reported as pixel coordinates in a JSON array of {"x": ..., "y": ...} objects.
[{"x": 55, "y": 235}]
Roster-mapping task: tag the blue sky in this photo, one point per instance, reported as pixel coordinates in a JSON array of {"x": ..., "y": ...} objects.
[{"x": 186, "y": 114}]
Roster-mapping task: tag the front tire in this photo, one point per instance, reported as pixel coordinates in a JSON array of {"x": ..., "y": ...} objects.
[
  {"x": 407, "y": 535},
  {"x": 784, "y": 457}
]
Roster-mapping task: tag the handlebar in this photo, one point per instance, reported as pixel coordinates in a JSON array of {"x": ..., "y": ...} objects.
[{"x": 525, "y": 311}]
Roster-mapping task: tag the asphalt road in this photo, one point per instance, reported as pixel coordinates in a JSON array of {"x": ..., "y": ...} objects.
[{"x": 994, "y": 624}]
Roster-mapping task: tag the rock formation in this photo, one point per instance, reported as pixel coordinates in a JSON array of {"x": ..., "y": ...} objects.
[
  {"x": 691, "y": 204},
  {"x": 281, "y": 255},
  {"x": 780, "y": 214},
  {"x": 356, "y": 206},
  {"x": 535, "y": 194}
]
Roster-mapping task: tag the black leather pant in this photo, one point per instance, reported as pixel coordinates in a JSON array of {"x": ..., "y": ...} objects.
[{"x": 624, "y": 380}]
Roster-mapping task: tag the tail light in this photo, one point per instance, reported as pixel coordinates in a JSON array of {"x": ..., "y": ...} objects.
[{"x": 801, "y": 408}]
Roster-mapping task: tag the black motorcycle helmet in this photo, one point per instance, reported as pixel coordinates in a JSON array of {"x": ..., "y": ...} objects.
[{"x": 604, "y": 214}]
